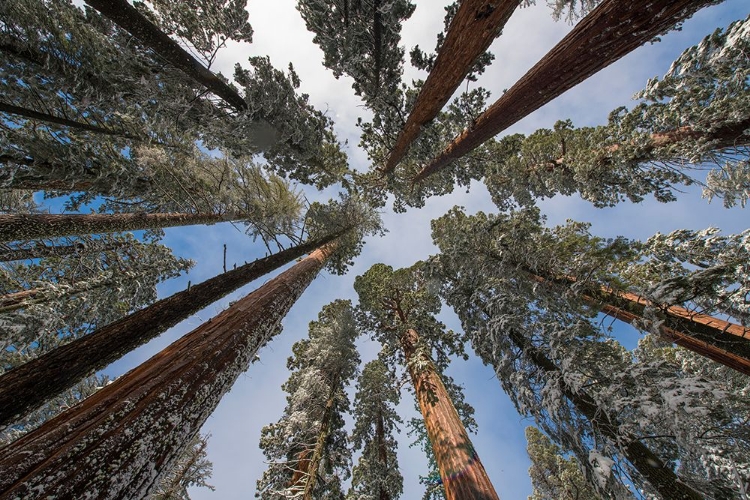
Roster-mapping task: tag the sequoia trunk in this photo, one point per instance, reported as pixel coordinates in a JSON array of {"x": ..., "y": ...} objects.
[
  {"x": 462, "y": 474},
  {"x": 118, "y": 442},
  {"x": 30, "y": 385}
]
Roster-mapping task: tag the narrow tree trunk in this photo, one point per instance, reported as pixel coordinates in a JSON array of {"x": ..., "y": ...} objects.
[
  {"x": 462, "y": 473},
  {"x": 36, "y": 115},
  {"x": 17, "y": 300},
  {"x": 476, "y": 24},
  {"x": 314, "y": 463},
  {"x": 651, "y": 467},
  {"x": 612, "y": 30},
  {"x": 128, "y": 18},
  {"x": 17, "y": 227},
  {"x": 382, "y": 452},
  {"x": 29, "y": 386},
  {"x": 118, "y": 442},
  {"x": 40, "y": 250},
  {"x": 724, "y": 342}
]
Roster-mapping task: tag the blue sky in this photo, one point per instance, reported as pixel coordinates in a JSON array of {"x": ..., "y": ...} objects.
[{"x": 256, "y": 398}]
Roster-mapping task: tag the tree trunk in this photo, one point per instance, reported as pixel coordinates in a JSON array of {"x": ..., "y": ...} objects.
[
  {"x": 609, "y": 32},
  {"x": 382, "y": 452},
  {"x": 724, "y": 342},
  {"x": 17, "y": 300},
  {"x": 128, "y": 18},
  {"x": 36, "y": 115},
  {"x": 462, "y": 473},
  {"x": 314, "y": 463},
  {"x": 40, "y": 250},
  {"x": 475, "y": 26},
  {"x": 118, "y": 442},
  {"x": 651, "y": 467},
  {"x": 20, "y": 227},
  {"x": 29, "y": 386}
]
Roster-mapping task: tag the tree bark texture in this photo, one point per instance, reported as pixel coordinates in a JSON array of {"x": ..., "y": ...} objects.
[
  {"x": 651, "y": 467},
  {"x": 23, "y": 227},
  {"x": 45, "y": 117},
  {"x": 29, "y": 386},
  {"x": 609, "y": 32},
  {"x": 475, "y": 26},
  {"x": 461, "y": 471},
  {"x": 118, "y": 442},
  {"x": 128, "y": 18}
]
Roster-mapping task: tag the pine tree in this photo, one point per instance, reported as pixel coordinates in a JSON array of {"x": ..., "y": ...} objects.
[
  {"x": 376, "y": 475},
  {"x": 584, "y": 51},
  {"x": 394, "y": 305},
  {"x": 164, "y": 402},
  {"x": 193, "y": 469},
  {"x": 29, "y": 385},
  {"x": 307, "y": 449}
]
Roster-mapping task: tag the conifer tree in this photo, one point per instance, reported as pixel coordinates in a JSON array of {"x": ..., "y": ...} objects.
[
  {"x": 395, "y": 305},
  {"x": 306, "y": 449},
  {"x": 376, "y": 475}
]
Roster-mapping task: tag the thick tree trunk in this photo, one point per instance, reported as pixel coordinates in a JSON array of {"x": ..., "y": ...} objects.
[
  {"x": 476, "y": 24},
  {"x": 118, "y": 442},
  {"x": 23, "y": 227},
  {"x": 40, "y": 250},
  {"x": 128, "y": 18},
  {"x": 651, "y": 467},
  {"x": 462, "y": 473},
  {"x": 35, "y": 115},
  {"x": 29, "y": 386},
  {"x": 609, "y": 32},
  {"x": 724, "y": 342}
]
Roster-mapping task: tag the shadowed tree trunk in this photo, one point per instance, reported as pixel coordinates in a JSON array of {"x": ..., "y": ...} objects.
[
  {"x": 651, "y": 467},
  {"x": 128, "y": 18},
  {"x": 18, "y": 227},
  {"x": 120, "y": 440},
  {"x": 474, "y": 27},
  {"x": 40, "y": 250},
  {"x": 609, "y": 32},
  {"x": 461, "y": 472},
  {"x": 25, "y": 388}
]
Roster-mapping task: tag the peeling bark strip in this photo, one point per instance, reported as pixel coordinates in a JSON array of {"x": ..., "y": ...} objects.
[
  {"x": 724, "y": 342},
  {"x": 611, "y": 31},
  {"x": 35, "y": 115},
  {"x": 476, "y": 24},
  {"x": 29, "y": 386},
  {"x": 461, "y": 472},
  {"x": 651, "y": 467},
  {"x": 128, "y": 18},
  {"x": 23, "y": 227},
  {"x": 118, "y": 442}
]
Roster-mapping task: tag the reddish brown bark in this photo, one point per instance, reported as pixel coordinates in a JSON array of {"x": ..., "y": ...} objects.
[
  {"x": 476, "y": 24},
  {"x": 651, "y": 467},
  {"x": 30, "y": 385},
  {"x": 461, "y": 471},
  {"x": 24, "y": 227},
  {"x": 111, "y": 444},
  {"x": 128, "y": 18},
  {"x": 609, "y": 32}
]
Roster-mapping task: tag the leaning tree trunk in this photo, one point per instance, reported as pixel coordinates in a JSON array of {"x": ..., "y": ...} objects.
[
  {"x": 25, "y": 298},
  {"x": 651, "y": 467},
  {"x": 40, "y": 250},
  {"x": 118, "y": 442},
  {"x": 310, "y": 475},
  {"x": 17, "y": 227},
  {"x": 611, "y": 31},
  {"x": 29, "y": 386},
  {"x": 724, "y": 342},
  {"x": 474, "y": 27},
  {"x": 128, "y": 18},
  {"x": 462, "y": 474}
]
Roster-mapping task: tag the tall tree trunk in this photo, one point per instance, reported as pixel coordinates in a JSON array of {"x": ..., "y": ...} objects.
[
  {"x": 19, "y": 227},
  {"x": 476, "y": 24},
  {"x": 119, "y": 441},
  {"x": 29, "y": 386},
  {"x": 45, "y": 117},
  {"x": 651, "y": 467},
  {"x": 382, "y": 452},
  {"x": 724, "y": 342},
  {"x": 128, "y": 18},
  {"x": 39, "y": 250},
  {"x": 462, "y": 473},
  {"x": 325, "y": 429},
  {"x": 609, "y": 32},
  {"x": 17, "y": 300}
]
